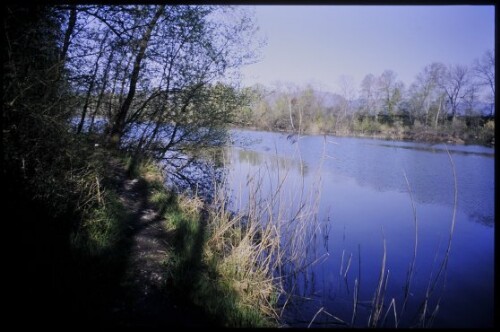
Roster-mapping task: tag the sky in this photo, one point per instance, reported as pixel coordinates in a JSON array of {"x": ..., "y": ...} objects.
[{"x": 318, "y": 44}]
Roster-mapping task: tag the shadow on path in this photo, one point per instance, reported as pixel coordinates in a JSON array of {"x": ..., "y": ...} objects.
[{"x": 144, "y": 299}]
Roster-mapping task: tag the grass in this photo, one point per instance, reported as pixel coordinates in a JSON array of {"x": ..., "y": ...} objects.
[
  {"x": 102, "y": 224},
  {"x": 103, "y": 228},
  {"x": 93, "y": 255},
  {"x": 233, "y": 266},
  {"x": 210, "y": 258},
  {"x": 84, "y": 225},
  {"x": 294, "y": 247},
  {"x": 426, "y": 318}
]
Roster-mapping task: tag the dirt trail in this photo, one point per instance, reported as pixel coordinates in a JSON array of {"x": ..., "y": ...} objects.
[{"x": 143, "y": 299}]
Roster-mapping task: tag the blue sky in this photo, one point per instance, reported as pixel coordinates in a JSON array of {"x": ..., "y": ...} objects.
[{"x": 318, "y": 44}]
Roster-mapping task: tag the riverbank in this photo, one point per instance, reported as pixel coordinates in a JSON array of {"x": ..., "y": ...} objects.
[
  {"x": 130, "y": 252},
  {"x": 456, "y": 134},
  {"x": 370, "y": 190},
  {"x": 103, "y": 243},
  {"x": 195, "y": 268},
  {"x": 142, "y": 298}
]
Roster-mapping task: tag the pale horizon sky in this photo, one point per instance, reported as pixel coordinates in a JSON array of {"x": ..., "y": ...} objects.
[{"x": 318, "y": 44}]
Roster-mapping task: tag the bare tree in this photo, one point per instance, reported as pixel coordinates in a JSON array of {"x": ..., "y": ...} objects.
[
  {"x": 454, "y": 85},
  {"x": 347, "y": 94},
  {"x": 425, "y": 91},
  {"x": 69, "y": 32},
  {"x": 470, "y": 98},
  {"x": 102, "y": 90},
  {"x": 391, "y": 91},
  {"x": 484, "y": 71},
  {"x": 369, "y": 95}
]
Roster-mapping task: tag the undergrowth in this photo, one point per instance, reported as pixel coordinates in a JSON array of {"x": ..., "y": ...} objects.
[{"x": 199, "y": 269}]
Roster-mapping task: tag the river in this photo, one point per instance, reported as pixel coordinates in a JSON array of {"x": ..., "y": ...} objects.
[{"x": 362, "y": 188}]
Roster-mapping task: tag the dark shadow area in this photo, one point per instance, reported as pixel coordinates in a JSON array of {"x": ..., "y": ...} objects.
[
  {"x": 144, "y": 299},
  {"x": 58, "y": 286},
  {"x": 188, "y": 272},
  {"x": 196, "y": 280}
]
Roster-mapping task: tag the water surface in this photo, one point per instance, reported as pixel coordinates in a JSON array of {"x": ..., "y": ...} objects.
[{"x": 364, "y": 199}]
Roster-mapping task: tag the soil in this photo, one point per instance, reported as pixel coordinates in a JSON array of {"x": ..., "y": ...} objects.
[{"x": 144, "y": 299}]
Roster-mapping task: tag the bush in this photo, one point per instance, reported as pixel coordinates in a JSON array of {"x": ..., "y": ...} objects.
[{"x": 487, "y": 132}]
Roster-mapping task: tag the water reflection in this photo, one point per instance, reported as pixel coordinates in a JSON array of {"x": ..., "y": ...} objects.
[
  {"x": 381, "y": 166},
  {"x": 364, "y": 190},
  {"x": 274, "y": 162},
  {"x": 438, "y": 149}
]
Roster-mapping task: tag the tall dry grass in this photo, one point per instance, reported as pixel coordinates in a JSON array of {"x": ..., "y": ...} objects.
[
  {"x": 263, "y": 238},
  {"x": 262, "y": 241}
]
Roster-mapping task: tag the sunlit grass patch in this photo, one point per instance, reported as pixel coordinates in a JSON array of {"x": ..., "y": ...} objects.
[
  {"x": 213, "y": 260},
  {"x": 103, "y": 227},
  {"x": 221, "y": 298},
  {"x": 211, "y": 279},
  {"x": 240, "y": 256}
]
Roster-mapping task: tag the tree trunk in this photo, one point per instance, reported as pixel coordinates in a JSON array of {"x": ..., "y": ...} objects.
[
  {"x": 119, "y": 121},
  {"x": 62, "y": 57},
  {"x": 101, "y": 93},
  {"x": 69, "y": 31},
  {"x": 438, "y": 111},
  {"x": 290, "y": 112},
  {"x": 91, "y": 86}
]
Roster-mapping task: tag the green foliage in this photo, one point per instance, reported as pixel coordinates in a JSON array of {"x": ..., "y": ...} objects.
[
  {"x": 196, "y": 276},
  {"x": 35, "y": 134},
  {"x": 64, "y": 186},
  {"x": 401, "y": 119},
  {"x": 487, "y": 133},
  {"x": 103, "y": 228},
  {"x": 45, "y": 164},
  {"x": 367, "y": 125}
]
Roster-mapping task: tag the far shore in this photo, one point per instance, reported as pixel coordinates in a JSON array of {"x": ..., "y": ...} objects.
[{"x": 426, "y": 136}]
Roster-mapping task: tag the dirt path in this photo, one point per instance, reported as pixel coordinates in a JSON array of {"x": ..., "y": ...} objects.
[{"x": 143, "y": 299}]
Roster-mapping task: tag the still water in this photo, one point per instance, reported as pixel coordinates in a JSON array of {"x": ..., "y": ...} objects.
[{"x": 363, "y": 199}]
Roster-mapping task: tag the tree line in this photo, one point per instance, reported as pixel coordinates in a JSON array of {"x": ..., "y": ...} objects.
[
  {"x": 151, "y": 73},
  {"x": 443, "y": 102},
  {"x": 130, "y": 64},
  {"x": 148, "y": 72},
  {"x": 159, "y": 66}
]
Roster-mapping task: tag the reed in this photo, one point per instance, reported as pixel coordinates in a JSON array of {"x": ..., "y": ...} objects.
[
  {"x": 441, "y": 274},
  {"x": 259, "y": 250},
  {"x": 266, "y": 241},
  {"x": 411, "y": 269},
  {"x": 426, "y": 315},
  {"x": 378, "y": 297}
]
